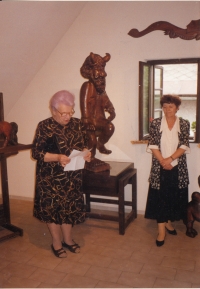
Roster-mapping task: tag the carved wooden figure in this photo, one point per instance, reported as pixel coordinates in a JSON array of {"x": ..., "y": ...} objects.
[
  {"x": 193, "y": 214},
  {"x": 9, "y": 132},
  {"x": 191, "y": 32},
  {"x": 94, "y": 103}
]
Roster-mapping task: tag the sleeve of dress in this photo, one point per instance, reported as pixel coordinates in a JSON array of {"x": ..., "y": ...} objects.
[
  {"x": 153, "y": 142},
  {"x": 84, "y": 134},
  {"x": 184, "y": 139},
  {"x": 39, "y": 143}
]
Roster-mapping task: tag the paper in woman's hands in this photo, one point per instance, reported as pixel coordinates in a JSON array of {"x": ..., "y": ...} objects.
[{"x": 77, "y": 160}]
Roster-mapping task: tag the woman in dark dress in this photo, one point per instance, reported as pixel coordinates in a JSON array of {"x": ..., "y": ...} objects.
[
  {"x": 58, "y": 195},
  {"x": 168, "y": 190}
]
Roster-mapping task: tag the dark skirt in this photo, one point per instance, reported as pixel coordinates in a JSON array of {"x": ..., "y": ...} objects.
[{"x": 169, "y": 202}]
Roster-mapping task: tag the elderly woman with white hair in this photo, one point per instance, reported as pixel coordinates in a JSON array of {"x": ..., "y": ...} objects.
[{"x": 58, "y": 195}]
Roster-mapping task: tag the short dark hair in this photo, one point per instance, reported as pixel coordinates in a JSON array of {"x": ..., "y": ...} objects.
[{"x": 170, "y": 98}]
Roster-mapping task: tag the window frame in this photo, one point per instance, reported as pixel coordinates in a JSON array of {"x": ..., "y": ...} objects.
[{"x": 150, "y": 64}]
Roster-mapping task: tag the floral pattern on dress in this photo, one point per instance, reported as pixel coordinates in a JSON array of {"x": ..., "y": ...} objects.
[{"x": 155, "y": 138}]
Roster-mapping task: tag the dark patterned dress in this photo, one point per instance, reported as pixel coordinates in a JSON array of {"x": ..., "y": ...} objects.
[
  {"x": 58, "y": 193},
  {"x": 168, "y": 189}
]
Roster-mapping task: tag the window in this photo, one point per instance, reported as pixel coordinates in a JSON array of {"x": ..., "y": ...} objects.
[{"x": 175, "y": 76}]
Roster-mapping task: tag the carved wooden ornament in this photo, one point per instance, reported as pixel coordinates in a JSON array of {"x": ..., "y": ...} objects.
[{"x": 191, "y": 32}]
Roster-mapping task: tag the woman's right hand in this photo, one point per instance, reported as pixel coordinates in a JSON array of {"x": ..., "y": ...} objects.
[
  {"x": 166, "y": 163},
  {"x": 168, "y": 167},
  {"x": 63, "y": 160}
]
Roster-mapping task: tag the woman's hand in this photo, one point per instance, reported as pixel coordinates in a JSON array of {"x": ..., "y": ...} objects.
[
  {"x": 166, "y": 163},
  {"x": 63, "y": 160},
  {"x": 168, "y": 167},
  {"x": 87, "y": 158}
]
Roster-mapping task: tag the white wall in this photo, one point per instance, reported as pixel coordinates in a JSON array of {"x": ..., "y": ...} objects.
[{"x": 102, "y": 27}]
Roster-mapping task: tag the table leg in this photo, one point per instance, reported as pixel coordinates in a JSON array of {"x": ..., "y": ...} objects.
[
  {"x": 4, "y": 184},
  {"x": 134, "y": 193},
  {"x": 87, "y": 200},
  {"x": 121, "y": 209}
]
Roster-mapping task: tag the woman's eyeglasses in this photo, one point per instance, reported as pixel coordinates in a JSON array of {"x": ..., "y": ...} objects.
[{"x": 63, "y": 114}]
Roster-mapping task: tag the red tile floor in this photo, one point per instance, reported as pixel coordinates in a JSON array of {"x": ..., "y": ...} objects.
[{"x": 106, "y": 260}]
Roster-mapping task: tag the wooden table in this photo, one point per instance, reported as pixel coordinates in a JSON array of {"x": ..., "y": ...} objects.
[
  {"x": 7, "y": 230},
  {"x": 112, "y": 183}
]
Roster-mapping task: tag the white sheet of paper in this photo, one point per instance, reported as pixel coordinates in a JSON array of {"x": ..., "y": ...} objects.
[{"x": 77, "y": 161}]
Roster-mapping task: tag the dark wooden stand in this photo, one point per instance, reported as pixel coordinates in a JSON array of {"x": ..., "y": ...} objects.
[
  {"x": 111, "y": 183},
  {"x": 7, "y": 230}
]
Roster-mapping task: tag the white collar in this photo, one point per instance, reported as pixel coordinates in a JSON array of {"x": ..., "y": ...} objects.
[{"x": 164, "y": 124}]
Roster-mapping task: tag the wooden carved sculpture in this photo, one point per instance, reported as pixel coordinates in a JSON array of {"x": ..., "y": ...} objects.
[
  {"x": 9, "y": 133},
  {"x": 94, "y": 102},
  {"x": 192, "y": 31},
  {"x": 193, "y": 214}
]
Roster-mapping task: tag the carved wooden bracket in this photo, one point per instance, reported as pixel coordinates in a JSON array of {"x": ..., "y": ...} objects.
[{"x": 192, "y": 31}]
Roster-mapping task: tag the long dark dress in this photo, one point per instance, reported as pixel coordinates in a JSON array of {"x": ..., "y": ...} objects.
[{"x": 58, "y": 193}]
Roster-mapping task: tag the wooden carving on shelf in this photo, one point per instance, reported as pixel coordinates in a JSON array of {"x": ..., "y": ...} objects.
[
  {"x": 9, "y": 132},
  {"x": 191, "y": 32},
  {"x": 94, "y": 102}
]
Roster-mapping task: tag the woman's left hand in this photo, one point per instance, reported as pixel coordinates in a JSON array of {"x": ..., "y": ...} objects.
[{"x": 87, "y": 158}]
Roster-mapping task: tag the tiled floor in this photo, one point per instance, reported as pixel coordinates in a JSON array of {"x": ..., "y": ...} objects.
[{"x": 107, "y": 259}]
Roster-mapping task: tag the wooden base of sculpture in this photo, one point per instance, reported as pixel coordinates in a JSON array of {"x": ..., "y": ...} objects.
[
  {"x": 96, "y": 166},
  {"x": 109, "y": 187}
]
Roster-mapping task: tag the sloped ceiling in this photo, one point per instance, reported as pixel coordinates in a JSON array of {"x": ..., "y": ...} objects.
[{"x": 29, "y": 32}]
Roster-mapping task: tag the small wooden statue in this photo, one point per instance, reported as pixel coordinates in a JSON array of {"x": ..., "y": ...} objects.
[
  {"x": 94, "y": 104},
  {"x": 193, "y": 213},
  {"x": 9, "y": 133}
]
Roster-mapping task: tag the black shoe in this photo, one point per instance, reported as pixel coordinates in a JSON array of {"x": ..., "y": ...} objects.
[
  {"x": 73, "y": 248},
  {"x": 160, "y": 243},
  {"x": 172, "y": 232},
  {"x": 58, "y": 252}
]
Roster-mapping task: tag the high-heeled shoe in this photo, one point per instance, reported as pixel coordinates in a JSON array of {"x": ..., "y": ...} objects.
[
  {"x": 160, "y": 243},
  {"x": 172, "y": 232}
]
